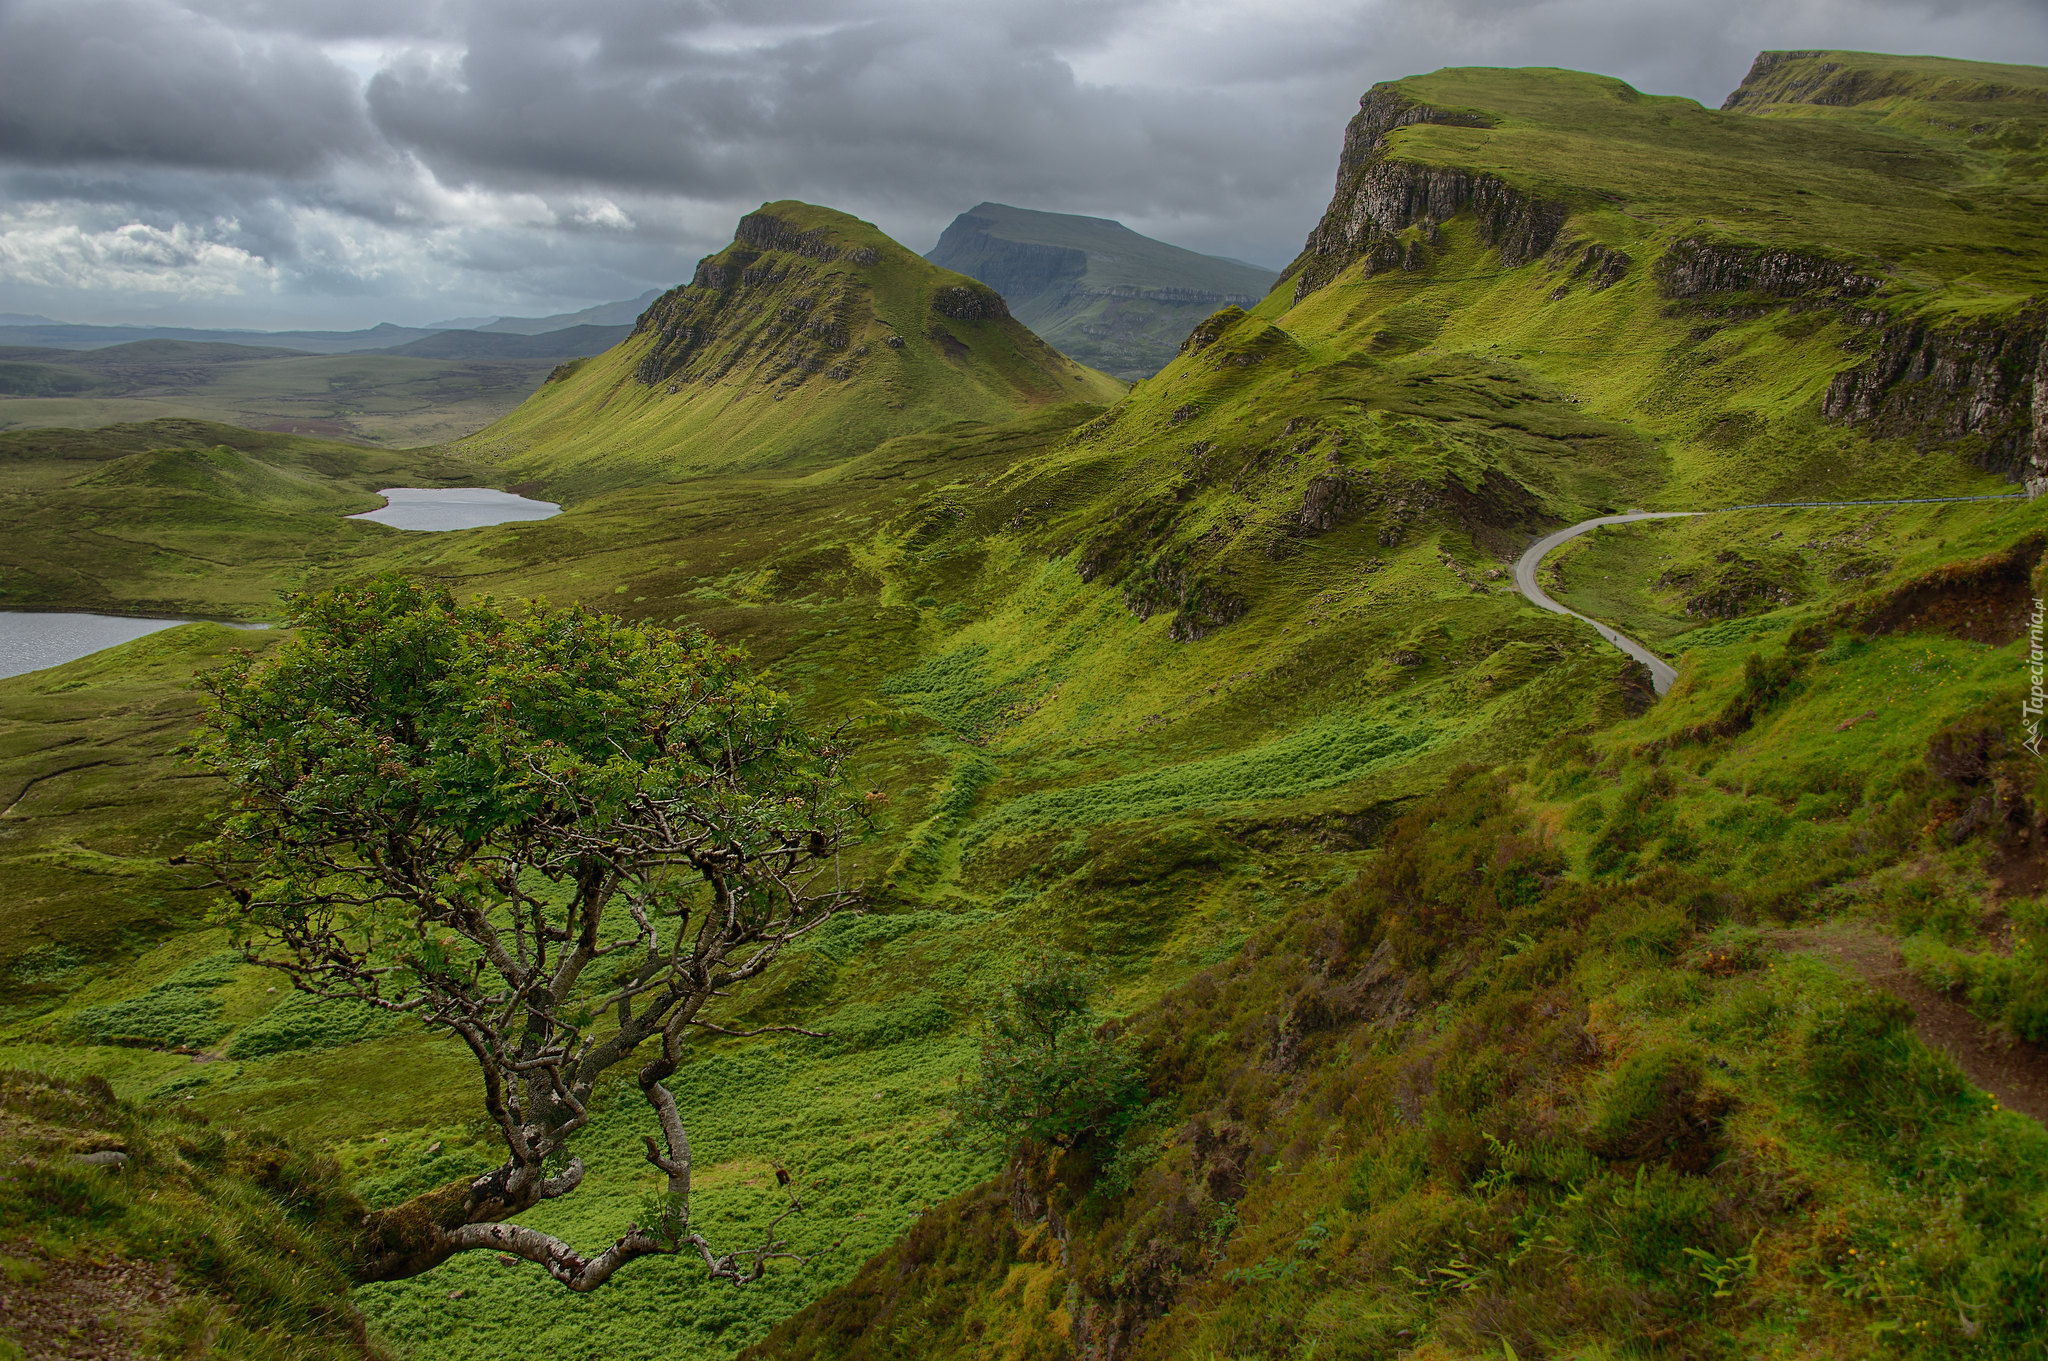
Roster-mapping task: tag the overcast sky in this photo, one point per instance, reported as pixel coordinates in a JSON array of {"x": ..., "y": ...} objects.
[{"x": 280, "y": 163}]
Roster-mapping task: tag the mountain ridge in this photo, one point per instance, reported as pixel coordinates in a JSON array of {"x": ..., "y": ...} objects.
[
  {"x": 808, "y": 340},
  {"x": 1091, "y": 286}
]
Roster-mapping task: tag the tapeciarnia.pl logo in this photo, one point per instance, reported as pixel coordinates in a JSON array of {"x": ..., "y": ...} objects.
[{"x": 2030, "y": 707}]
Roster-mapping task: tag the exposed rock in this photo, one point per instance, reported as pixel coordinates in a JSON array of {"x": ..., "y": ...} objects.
[
  {"x": 1984, "y": 385},
  {"x": 1328, "y": 502},
  {"x": 764, "y": 232},
  {"x": 1211, "y": 329},
  {"x": 112, "y": 1158},
  {"x": 1379, "y": 197},
  {"x": 1601, "y": 266},
  {"x": 1696, "y": 267},
  {"x": 969, "y": 302}
]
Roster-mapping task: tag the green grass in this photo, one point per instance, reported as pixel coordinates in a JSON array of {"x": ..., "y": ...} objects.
[
  {"x": 173, "y": 517},
  {"x": 1004, "y": 611},
  {"x": 244, "y": 1229},
  {"x": 802, "y": 375},
  {"x": 1555, "y": 1074}
]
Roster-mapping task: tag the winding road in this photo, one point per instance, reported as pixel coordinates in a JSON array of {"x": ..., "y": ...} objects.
[{"x": 1662, "y": 674}]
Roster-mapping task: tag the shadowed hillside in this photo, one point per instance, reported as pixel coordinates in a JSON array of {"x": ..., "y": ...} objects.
[{"x": 1097, "y": 290}]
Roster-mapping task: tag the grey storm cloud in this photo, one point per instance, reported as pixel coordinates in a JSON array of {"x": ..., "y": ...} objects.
[
  {"x": 135, "y": 81},
  {"x": 300, "y": 159}
]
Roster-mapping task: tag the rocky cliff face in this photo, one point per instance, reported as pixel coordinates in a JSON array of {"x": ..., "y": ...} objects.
[
  {"x": 1379, "y": 197},
  {"x": 1982, "y": 387},
  {"x": 1828, "y": 80},
  {"x": 717, "y": 323},
  {"x": 1695, "y": 268}
]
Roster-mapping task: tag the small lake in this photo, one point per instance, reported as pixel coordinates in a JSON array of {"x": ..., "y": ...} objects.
[
  {"x": 433, "y": 508},
  {"x": 30, "y": 641}
]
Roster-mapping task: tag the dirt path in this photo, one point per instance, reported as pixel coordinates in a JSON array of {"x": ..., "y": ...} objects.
[{"x": 2012, "y": 1070}]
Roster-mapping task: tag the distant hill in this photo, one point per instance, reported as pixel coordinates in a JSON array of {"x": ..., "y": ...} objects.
[
  {"x": 1100, "y": 292},
  {"x": 63, "y": 336},
  {"x": 810, "y": 339},
  {"x": 571, "y": 342},
  {"x": 20, "y": 330},
  {"x": 604, "y": 314}
]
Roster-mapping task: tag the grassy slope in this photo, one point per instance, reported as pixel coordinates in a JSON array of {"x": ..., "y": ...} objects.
[
  {"x": 187, "y": 517},
  {"x": 206, "y": 1243},
  {"x": 1060, "y": 767},
  {"x": 599, "y": 427},
  {"x": 1557, "y": 1077},
  {"x": 1963, "y": 238}
]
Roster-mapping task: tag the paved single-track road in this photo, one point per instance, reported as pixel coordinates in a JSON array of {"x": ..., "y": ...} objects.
[{"x": 1662, "y": 674}]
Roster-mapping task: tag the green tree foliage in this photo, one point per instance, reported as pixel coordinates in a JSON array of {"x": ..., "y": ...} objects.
[
  {"x": 1052, "y": 1069},
  {"x": 553, "y": 834}
]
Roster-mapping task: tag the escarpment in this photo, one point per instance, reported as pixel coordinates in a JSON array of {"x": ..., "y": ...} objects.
[
  {"x": 1696, "y": 267},
  {"x": 1016, "y": 269},
  {"x": 1379, "y": 197},
  {"x": 1844, "y": 80},
  {"x": 1983, "y": 387}
]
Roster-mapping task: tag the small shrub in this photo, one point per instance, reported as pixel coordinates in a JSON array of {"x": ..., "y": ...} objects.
[{"x": 1050, "y": 1069}]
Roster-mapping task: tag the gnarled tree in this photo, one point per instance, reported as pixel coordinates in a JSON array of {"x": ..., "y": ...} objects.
[{"x": 553, "y": 834}]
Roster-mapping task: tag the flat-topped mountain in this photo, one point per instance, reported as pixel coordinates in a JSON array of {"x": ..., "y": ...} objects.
[
  {"x": 811, "y": 338},
  {"x": 1101, "y": 292}
]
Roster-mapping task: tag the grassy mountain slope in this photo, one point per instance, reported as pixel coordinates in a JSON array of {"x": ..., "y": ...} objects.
[
  {"x": 811, "y": 338},
  {"x": 177, "y": 517},
  {"x": 1154, "y": 681},
  {"x": 1094, "y": 288},
  {"x": 200, "y": 1242},
  {"x": 1569, "y": 1069}
]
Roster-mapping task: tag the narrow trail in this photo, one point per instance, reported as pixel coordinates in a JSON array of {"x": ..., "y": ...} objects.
[
  {"x": 2014, "y": 1071},
  {"x": 1662, "y": 673}
]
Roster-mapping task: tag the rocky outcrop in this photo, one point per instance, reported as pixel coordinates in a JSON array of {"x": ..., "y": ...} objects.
[
  {"x": 1211, "y": 328},
  {"x": 1379, "y": 197},
  {"x": 969, "y": 302},
  {"x": 1817, "y": 78},
  {"x": 1983, "y": 387},
  {"x": 1696, "y": 267},
  {"x": 764, "y": 231},
  {"x": 761, "y": 305},
  {"x": 1601, "y": 266}
]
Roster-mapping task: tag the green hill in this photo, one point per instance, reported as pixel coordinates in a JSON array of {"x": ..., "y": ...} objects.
[
  {"x": 1489, "y": 1006},
  {"x": 1094, "y": 288},
  {"x": 810, "y": 339}
]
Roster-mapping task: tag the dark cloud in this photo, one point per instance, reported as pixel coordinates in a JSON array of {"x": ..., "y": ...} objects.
[
  {"x": 150, "y": 83},
  {"x": 422, "y": 157}
]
